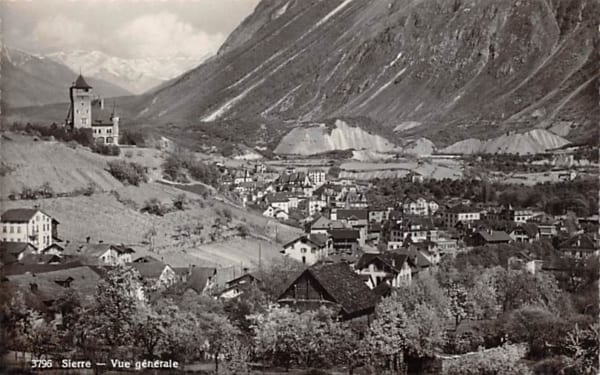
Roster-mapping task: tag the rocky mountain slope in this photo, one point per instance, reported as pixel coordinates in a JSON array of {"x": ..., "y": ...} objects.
[
  {"x": 531, "y": 142},
  {"x": 29, "y": 80},
  {"x": 319, "y": 138},
  {"x": 136, "y": 75},
  {"x": 446, "y": 70}
]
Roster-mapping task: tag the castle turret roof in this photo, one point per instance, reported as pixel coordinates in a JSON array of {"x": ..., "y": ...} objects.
[{"x": 80, "y": 83}]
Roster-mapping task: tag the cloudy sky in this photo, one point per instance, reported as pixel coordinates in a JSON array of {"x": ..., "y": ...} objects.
[{"x": 123, "y": 28}]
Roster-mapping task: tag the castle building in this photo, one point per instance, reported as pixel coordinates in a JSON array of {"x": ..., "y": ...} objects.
[{"x": 88, "y": 112}]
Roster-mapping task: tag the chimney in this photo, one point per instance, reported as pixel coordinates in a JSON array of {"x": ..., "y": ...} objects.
[
  {"x": 87, "y": 239},
  {"x": 101, "y": 103},
  {"x": 333, "y": 214}
]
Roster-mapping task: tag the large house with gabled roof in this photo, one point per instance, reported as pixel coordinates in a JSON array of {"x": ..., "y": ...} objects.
[
  {"x": 581, "y": 246},
  {"x": 335, "y": 286},
  {"x": 29, "y": 225}
]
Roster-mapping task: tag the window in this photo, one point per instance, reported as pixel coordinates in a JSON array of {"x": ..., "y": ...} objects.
[
  {"x": 84, "y": 120},
  {"x": 4, "y": 229},
  {"x": 109, "y": 131},
  {"x": 12, "y": 229},
  {"x": 18, "y": 229},
  {"x": 76, "y": 111}
]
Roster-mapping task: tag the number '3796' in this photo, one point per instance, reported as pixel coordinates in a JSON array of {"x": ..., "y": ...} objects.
[{"x": 41, "y": 363}]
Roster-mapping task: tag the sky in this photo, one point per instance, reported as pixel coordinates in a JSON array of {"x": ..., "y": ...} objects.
[{"x": 122, "y": 28}]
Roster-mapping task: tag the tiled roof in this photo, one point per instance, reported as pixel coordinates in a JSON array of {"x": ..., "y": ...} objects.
[
  {"x": 393, "y": 260},
  {"x": 348, "y": 214},
  {"x": 17, "y": 269},
  {"x": 101, "y": 116},
  {"x": 33, "y": 258},
  {"x": 343, "y": 285},
  {"x": 149, "y": 270},
  {"x": 415, "y": 257},
  {"x": 14, "y": 247},
  {"x": 494, "y": 236},
  {"x": 84, "y": 281},
  {"x": 145, "y": 259},
  {"x": 18, "y": 215},
  {"x": 291, "y": 178},
  {"x": 344, "y": 234},
  {"x": 199, "y": 277},
  {"x": 583, "y": 241}
]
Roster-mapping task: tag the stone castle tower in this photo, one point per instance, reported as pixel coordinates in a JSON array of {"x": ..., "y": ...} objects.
[
  {"x": 80, "y": 94},
  {"x": 88, "y": 112}
]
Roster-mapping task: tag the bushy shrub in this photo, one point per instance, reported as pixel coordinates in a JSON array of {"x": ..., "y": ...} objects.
[
  {"x": 180, "y": 202},
  {"x": 103, "y": 149},
  {"x": 243, "y": 230},
  {"x": 130, "y": 137},
  {"x": 5, "y": 169},
  {"x": 128, "y": 172},
  {"x": 155, "y": 207}
]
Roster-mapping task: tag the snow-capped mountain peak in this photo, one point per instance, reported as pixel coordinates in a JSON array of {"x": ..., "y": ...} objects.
[{"x": 137, "y": 75}]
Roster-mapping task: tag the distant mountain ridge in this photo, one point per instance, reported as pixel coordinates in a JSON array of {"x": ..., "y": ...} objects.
[
  {"x": 137, "y": 75},
  {"x": 31, "y": 80},
  {"x": 458, "y": 69}
]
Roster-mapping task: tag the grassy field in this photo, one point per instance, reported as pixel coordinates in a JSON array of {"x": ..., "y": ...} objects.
[{"x": 436, "y": 169}]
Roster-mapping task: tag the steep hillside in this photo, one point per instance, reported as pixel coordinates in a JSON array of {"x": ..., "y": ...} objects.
[
  {"x": 446, "y": 70},
  {"x": 532, "y": 142},
  {"x": 66, "y": 169},
  {"x": 112, "y": 213},
  {"x": 29, "y": 80}
]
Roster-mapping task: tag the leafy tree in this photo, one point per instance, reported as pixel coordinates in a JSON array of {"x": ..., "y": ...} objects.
[
  {"x": 127, "y": 172},
  {"x": 387, "y": 336},
  {"x": 583, "y": 346},
  {"x": 277, "y": 336},
  {"x": 537, "y": 327},
  {"x": 459, "y": 303},
  {"x": 425, "y": 331},
  {"x": 40, "y": 335},
  {"x": 221, "y": 335},
  {"x": 253, "y": 301},
  {"x": 111, "y": 318},
  {"x": 183, "y": 340},
  {"x": 483, "y": 296}
]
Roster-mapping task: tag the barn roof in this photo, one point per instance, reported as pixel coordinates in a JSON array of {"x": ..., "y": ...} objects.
[{"x": 343, "y": 285}]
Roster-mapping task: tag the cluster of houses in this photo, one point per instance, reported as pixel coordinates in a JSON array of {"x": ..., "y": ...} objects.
[
  {"x": 353, "y": 254},
  {"x": 388, "y": 248},
  {"x": 35, "y": 260}
]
